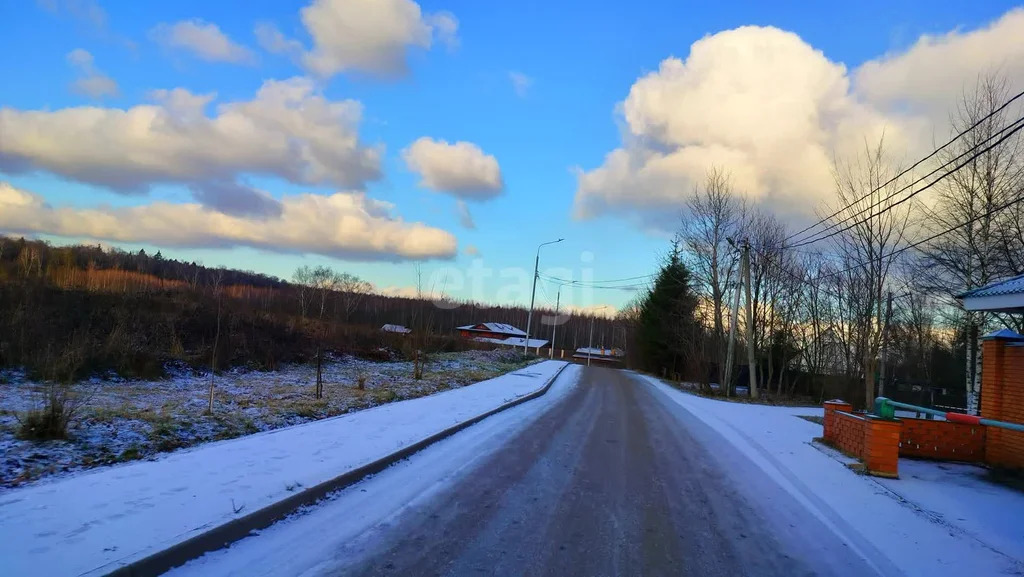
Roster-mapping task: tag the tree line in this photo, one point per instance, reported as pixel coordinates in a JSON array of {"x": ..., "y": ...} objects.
[{"x": 866, "y": 294}]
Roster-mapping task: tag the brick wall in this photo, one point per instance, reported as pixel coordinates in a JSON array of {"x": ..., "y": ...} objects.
[
  {"x": 830, "y": 417},
  {"x": 873, "y": 441},
  {"x": 850, "y": 433},
  {"x": 1002, "y": 399},
  {"x": 879, "y": 443},
  {"x": 942, "y": 440}
]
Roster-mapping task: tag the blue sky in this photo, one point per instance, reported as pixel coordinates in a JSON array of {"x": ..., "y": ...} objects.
[{"x": 581, "y": 58}]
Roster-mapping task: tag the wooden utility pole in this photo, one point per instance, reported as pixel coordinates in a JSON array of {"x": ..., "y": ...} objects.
[
  {"x": 885, "y": 343},
  {"x": 733, "y": 321},
  {"x": 751, "y": 356}
]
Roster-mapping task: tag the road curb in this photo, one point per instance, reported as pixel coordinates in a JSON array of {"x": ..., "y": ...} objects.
[{"x": 237, "y": 529}]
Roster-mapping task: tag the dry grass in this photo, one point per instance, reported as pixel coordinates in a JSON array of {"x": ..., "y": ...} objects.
[{"x": 129, "y": 420}]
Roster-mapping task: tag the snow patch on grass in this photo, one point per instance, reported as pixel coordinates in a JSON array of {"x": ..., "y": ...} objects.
[{"x": 130, "y": 420}]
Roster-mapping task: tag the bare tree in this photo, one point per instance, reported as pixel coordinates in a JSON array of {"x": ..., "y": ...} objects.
[
  {"x": 712, "y": 216},
  {"x": 351, "y": 291},
  {"x": 320, "y": 282},
  {"x": 988, "y": 248},
  {"x": 992, "y": 244},
  {"x": 870, "y": 226},
  {"x": 771, "y": 269},
  {"x": 303, "y": 279}
]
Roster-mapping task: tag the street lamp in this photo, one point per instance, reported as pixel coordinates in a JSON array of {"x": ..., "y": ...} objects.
[
  {"x": 533, "y": 294},
  {"x": 590, "y": 347}
]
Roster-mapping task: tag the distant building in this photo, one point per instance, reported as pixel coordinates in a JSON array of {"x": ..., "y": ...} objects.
[
  {"x": 396, "y": 329},
  {"x": 499, "y": 334},
  {"x": 600, "y": 355},
  {"x": 490, "y": 331}
]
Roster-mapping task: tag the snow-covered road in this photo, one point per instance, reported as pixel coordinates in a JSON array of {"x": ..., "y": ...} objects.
[
  {"x": 97, "y": 521},
  {"x": 616, "y": 474}
]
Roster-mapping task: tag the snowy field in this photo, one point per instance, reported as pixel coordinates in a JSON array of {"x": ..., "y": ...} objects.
[
  {"x": 130, "y": 420},
  {"x": 95, "y": 522},
  {"x": 936, "y": 519}
]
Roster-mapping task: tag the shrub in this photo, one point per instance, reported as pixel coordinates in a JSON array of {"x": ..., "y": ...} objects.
[
  {"x": 60, "y": 408},
  {"x": 130, "y": 454}
]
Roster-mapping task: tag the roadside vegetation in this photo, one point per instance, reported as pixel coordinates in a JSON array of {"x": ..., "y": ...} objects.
[{"x": 117, "y": 420}]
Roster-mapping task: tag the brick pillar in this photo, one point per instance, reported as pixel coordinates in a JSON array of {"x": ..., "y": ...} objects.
[
  {"x": 831, "y": 430},
  {"x": 1003, "y": 400},
  {"x": 993, "y": 351},
  {"x": 992, "y": 402},
  {"x": 882, "y": 446}
]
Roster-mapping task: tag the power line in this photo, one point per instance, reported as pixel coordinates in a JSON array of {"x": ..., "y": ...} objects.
[
  {"x": 1019, "y": 124},
  {"x": 581, "y": 284},
  {"x": 895, "y": 252},
  {"x": 911, "y": 168},
  {"x": 596, "y": 282}
]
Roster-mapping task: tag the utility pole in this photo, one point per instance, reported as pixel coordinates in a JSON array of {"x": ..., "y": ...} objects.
[
  {"x": 554, "y": 325},
  {"x": 590, "y": 345},
  {"x": 751, "y": 356},
  {"x": 885, "y": 343},
  {"x": 533, "y": 295},
  {"x": 733, "y": 321}
]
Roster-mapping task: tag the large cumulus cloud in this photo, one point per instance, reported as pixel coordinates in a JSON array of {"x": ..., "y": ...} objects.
[{"x": 773, "y": 111}]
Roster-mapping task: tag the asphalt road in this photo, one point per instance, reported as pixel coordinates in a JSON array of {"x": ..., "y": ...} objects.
[{"x": 614, "y": 479}]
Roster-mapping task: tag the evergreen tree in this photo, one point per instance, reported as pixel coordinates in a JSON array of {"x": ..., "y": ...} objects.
[{"x": 667, "y": 323}]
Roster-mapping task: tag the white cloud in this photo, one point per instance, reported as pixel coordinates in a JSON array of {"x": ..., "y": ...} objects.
[
  {"x": 521, "y": 83},
  {"x": 931, "y": 74},
  {"x": 203, "y": 39},
  {"x": 273, "y": 41},
  {"x": 86, "y": 11},
  {"x": 90, "y": 82},
  {"x": 370, "y": 36},
  {"x": 446, "y": 28},
  {"x": 465, "y": 217},
  {"x": 289, "y": 130},
  {"x": 461, "y": 169},
  {"x": 343, "y": 225},
  {"x": 772, "y": 110},
  {"x": 412, "y": 292}
]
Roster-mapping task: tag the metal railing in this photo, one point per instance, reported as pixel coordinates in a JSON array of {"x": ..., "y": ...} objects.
[{"x": 886, "y": 409}]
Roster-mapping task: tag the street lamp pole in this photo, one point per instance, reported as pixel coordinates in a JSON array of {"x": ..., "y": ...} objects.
[
  {"x": 533, "y": 294},
  {"x": 590, "y": 347}
]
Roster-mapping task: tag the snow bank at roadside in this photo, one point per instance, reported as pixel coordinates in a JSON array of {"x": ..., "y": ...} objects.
[
  {"x": 100, "y": 520},
  {"x": 895, "y": 519}
]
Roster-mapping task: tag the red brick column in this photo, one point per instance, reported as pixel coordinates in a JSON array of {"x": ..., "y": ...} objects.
[
  {"x": 1002, "y": 399},
  {"x": 831, "y": 428},
  {"x": 882, "y": 447}
]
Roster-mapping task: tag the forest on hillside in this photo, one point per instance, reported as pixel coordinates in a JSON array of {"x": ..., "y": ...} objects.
[{"x": 67, "y": 312}]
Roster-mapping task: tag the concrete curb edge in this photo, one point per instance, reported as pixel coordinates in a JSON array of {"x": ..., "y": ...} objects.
[{"x": 223, "y": 535}]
